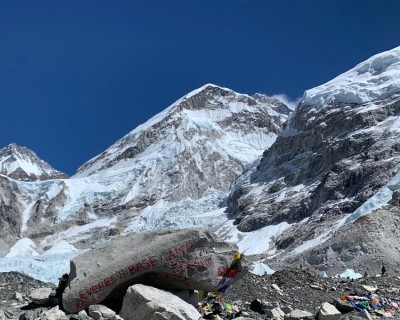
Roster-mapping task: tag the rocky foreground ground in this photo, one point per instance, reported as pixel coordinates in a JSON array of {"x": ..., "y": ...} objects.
[
  {"x": 305, "y": 289},
  {"x": 301, "y": 289}
]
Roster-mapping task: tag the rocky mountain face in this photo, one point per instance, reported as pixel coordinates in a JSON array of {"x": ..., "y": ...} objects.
[
  {"x": 338, "y": 159},
  {"x": 169, "y": 172},
  {"x": 18, "y": 166}
]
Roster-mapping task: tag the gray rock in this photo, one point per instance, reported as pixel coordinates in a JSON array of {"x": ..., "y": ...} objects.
[
  {"x": 81, "y": 315},
  {"x": 96, "y": 314},
  {"x": 54, "y": 314},
  {"x": 146, "y": 303},
  {"x": 286, "y": 309},
  {"x": 351, "y": 317},
  {"x": 187, "y": 259},
  {"x": 103, "y": 311},
  {"x": 365, "y": 314},
  {"x": 275, "y": 313},
  {"x": 44, "y": 314},
  {"x": 40, "y": 296},
  {"x": 298, "y": 315},
  {"x": 18, "y": 296},
  {"x": 189, "y": 296},
  {"x": 328, "y": 312}
]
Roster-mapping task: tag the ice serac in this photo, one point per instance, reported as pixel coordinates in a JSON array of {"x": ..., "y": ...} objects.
[
  {"x": 192, "y": 259},
  {"x": 341, "y": 147}
]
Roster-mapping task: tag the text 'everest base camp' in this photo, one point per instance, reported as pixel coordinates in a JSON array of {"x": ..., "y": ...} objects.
[{"x": 222, "y": 206}]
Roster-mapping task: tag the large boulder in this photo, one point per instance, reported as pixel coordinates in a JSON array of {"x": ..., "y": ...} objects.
[
  {"x": 147, "y": 303},
  {"x": 191, "y": 259}
]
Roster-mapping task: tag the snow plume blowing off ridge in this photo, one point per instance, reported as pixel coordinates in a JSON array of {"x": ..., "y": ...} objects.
[{"x": 291, "y": 103}]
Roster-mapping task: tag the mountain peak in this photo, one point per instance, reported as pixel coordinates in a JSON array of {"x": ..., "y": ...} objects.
[
  {"x": 207, "y": 88},
  {"x": 12, "y": 146},
  {"x": 220, "y": 114},
  {"x": 21, "y": 163}
]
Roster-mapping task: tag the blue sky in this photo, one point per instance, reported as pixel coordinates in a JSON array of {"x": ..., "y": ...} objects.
[{"x": 77, "y": 75}]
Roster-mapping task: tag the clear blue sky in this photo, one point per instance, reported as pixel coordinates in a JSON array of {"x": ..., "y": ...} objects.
[{"x": 77, "y": 75}]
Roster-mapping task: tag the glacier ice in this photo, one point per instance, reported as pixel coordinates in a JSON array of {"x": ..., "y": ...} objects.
[
  {"x": 350, "y": 273},
  {"x": 261, "y": 269}
]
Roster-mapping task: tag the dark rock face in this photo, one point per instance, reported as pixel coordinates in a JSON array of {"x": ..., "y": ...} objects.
[
  {"x": 326, "y": 164},
  {"x": 10, "y": 208},
  {"x": 276, "y": 105}
]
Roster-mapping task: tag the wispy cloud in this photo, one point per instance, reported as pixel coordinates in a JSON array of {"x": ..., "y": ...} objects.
[{"x": 291, "y": 103}]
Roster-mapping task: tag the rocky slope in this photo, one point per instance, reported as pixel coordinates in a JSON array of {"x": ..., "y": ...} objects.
[
  {"x": 338, "y": 159},
  {"x": 365, "y": 245}
]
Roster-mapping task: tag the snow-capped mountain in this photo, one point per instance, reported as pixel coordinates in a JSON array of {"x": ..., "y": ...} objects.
[
  {"x": 323, "y": 189},
  {"x": 338, "y": 159},
  {"x": 21, "y": 163},
  {"x": 186, "y": 157},
  {"x": 174, "y": 171}
]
